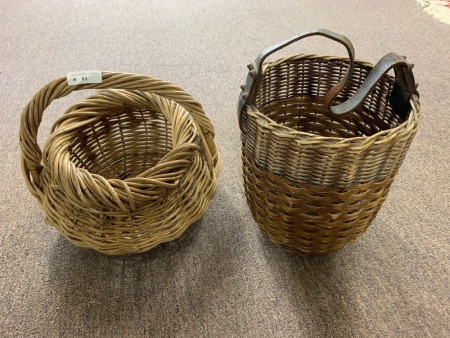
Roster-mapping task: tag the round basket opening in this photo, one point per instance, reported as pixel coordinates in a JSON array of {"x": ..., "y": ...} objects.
[
  {"x": 292, "y": 93},
  {"x": 122, "y": 144}
]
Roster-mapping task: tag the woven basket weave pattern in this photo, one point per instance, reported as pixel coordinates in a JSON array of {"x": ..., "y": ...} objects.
[
  {"x": 308, "y": 218},
  {"x": 125, "y": 169},
  {"x": 315, "y": 180},
  {"x": 293, "y": 126}
]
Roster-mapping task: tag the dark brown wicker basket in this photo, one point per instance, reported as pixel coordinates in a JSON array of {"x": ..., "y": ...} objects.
[{"x": 322, "y": 140}]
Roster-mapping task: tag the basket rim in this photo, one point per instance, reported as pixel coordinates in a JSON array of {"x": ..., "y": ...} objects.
[
  {"x": 288, "y": 132},
  {"x": 313, "y": 56},
  {"x": 87, "y": 106}
]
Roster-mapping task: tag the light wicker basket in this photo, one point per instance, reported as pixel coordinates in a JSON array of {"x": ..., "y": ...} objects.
[
  {"x": 124, "y": 170},
  {"x": 322, "y": 140}
]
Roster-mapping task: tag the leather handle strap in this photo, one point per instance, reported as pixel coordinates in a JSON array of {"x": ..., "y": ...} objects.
[
  {"x": 404, "y": 85},
  {"x": 255, "y": 73}
]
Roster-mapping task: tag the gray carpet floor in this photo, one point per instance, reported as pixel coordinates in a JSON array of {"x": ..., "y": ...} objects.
[{"x": 223, "y": 278}]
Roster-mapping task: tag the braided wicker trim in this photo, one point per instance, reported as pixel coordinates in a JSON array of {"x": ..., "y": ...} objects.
[{"x": 125, "y": 169}]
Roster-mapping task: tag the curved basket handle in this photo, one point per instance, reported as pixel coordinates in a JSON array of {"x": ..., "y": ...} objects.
[
  {"x": 404, "y": 85},
  {"x": 32, "y": 115},
  {"x": 255, "y": 69}
]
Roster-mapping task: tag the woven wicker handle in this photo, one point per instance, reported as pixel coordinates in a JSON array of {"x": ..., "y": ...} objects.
[
  {"x": 255, "y": 73},
  {"x": 32, "y": 114}
]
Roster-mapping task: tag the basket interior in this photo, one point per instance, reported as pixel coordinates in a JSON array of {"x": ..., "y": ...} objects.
[
  {"x": 292, "y": 93},
  {"x": 122, "y": 144}
]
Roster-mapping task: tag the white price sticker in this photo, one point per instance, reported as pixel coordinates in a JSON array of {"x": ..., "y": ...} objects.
[{"x": 84, "y": 77}]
